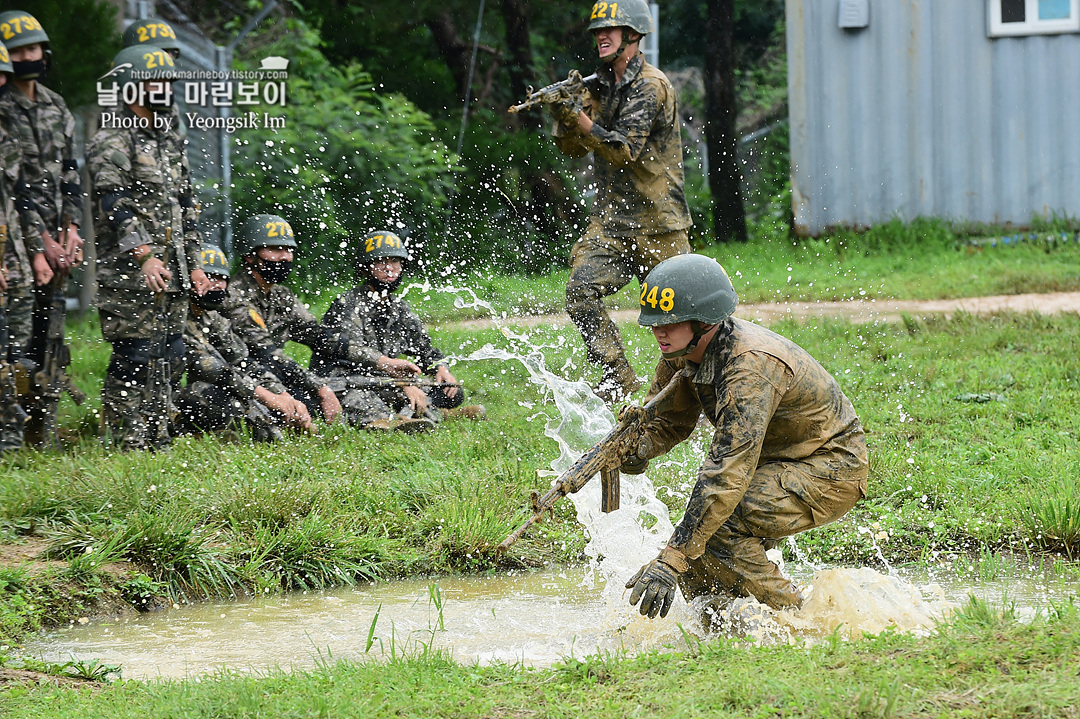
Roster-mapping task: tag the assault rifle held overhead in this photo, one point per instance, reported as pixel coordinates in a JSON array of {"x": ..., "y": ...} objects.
[
  {"x": 572, "y": 89},
  {"x": 603, "y": 458}
]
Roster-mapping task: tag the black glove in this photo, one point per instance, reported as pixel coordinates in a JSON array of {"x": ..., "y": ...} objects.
[
  {"x": 634, "y": 465},
  {"x": 655, "y": 583}
]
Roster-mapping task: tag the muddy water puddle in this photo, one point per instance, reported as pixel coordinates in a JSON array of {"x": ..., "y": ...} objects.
[{"x": 534, "y": 618}]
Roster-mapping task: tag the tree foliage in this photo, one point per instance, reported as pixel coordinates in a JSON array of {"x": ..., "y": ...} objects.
[{"x": 349, "y": 160}]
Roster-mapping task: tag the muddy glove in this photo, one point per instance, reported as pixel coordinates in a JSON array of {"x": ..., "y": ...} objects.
[
  {"x": 655, "y": 583},
  {"x": 634, "y": 462},
  {"x": 565, "y": 111}
]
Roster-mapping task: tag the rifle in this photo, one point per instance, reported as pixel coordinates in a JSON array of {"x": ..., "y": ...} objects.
[
  {"x": 572, "y": 89},
  {"x": 159, "y": 376},
  {"x": 341, "y": 384},
  {"x": 603, "y": 458},
  {"x": 51, "y": 378}
]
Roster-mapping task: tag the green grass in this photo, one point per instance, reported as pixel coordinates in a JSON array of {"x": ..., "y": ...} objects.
[
  {"x": 924, "y": 260},
  {"x": 982, "y": 663}
]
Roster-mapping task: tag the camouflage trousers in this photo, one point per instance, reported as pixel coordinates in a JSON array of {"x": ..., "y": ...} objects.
[
  {"x": 20, "y": 301},
  {"x": 146, "y": 366},
  {"x": 12, "y": 416},
  {"x": 204, "y": 407},
  {"x": 601, "y": 266},
  {"x": 783, "y": 499}
]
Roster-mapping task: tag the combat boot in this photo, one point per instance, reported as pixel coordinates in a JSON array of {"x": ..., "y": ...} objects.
[
  {"x": 617, "y": 382},
  {"x": 468, "y": 411},
  {"x": 407, "y": 425}
]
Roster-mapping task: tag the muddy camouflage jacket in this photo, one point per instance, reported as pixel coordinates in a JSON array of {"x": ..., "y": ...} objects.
[
  {"x": 770, "y": 402},
  {"x": 45, "y": 131},
  {"x": 215, "y": 354},
  {"x": 143, "y": 196},
  {"x": 265, "y": 321},
  {"x": 638, "y": 152},
  {"x": 386, "y": 326}
]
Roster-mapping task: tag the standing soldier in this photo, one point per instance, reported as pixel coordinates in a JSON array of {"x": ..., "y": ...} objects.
[
  {"x": 266, "y": 314},
  {"x": 146, "y": 229},
  {"x": 45, "y": 131},
  {"x": 639, "y": 216},
  {"x": 224, "y": 385},
  {"x": 15, "y": 278}
]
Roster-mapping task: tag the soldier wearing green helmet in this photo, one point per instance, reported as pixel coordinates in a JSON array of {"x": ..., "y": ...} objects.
[
  {"x": 152, "y": 31},
  {"x": 51, "y": 204},
  {"x": 148, "y": 245},
  {"x": 639, "y": 215},
  {"x": 226, "y": 387},
  {"x": 788, "y": 454},
  {"x": 370, "y": 314},
  {"x": 266, "y": 314}
]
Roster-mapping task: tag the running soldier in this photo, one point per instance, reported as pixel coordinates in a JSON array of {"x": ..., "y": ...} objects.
[
  {"x": 639, "y": 216},
  {"x": 45, "y": 131},
  {"x": 148, "y": 242},
  {"x": 224, "y": 385},
  {"x": 788, "y": 455},
  {"x": 370, "y": 315}
]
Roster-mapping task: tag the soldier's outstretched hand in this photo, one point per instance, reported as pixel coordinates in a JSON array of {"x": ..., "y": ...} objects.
[
  {"x": 331, "y": 407},
  {"x": 442, "y": 374},
  {"x": 418, "y": 399},
  {"x": 654, "y": 584},
  {"x": 397, "y": 367}
]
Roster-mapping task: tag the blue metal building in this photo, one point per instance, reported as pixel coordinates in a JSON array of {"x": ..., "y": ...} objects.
[{"x": 961, "y": 109}]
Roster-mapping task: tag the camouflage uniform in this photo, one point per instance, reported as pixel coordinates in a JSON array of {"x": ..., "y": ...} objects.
[
  {"x": 221, "y": 380},
  {"x": 143, "y": 195},
  {"x": 388, "y": 327},
  {"x": 45, "y": 131},
  {"x": 265, "y": 321},
  {"x": 639, "y": 216},
  {"x": 12, "y": 256},
  {"x": 788, "y": 454},
  {"x": 24, "y": 241}
]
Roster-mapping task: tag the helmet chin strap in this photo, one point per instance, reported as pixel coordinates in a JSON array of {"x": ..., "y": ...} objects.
[
  {"x": 610, "y": 59},
  {"x": 700, "y": 330}
]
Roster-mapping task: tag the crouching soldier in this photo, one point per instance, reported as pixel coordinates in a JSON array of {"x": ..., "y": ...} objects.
[
  {"x": 266, "y": 314},
  {"x": 224, "y": 385},
  {"x": 370, "y": 315},
  {"x": 148, "y": 241},
  {"x": 789, "y": 453}
]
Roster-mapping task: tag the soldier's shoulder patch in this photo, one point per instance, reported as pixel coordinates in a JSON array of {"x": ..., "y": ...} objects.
[
  {"x": 120, "y": 160},
  {"x": 256, "y": 318}
]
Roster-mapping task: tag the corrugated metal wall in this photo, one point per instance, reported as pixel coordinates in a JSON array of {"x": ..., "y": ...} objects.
[{"x": 922, "y": 115}]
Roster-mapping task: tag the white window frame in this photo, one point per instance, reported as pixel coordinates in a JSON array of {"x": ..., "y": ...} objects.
[{"x": 1032, "y": 25}]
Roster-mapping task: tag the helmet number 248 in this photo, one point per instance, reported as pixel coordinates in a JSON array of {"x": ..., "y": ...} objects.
[{"x": 667, "y": 297}]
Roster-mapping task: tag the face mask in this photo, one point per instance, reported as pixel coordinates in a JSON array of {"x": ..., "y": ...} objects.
[
  {"x": 212, "y": 300},
  {"x": 30, "y": 69},
  {"x": 274, "y": 272}
]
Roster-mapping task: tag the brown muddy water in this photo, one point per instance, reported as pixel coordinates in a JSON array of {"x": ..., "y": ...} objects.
[{"x": 535, "y": 618}]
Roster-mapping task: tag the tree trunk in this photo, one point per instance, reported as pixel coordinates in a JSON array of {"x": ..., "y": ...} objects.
[
  {"x": 454, "y": 52},
  {"x": 725, "y": 174},
  {"x": 516, "y": 17}
]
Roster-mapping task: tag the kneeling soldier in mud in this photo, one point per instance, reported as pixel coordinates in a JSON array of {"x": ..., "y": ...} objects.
[
  {"x": 266, "y": 315},
  {"x": 369, "y": 314},
  {"x": 148, "y": 241},
  {"x": 224, "y": 385},
  {"x": 788, "y": 455}
]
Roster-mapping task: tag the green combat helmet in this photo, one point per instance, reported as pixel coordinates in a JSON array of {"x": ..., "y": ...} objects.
[
  {"x": 5, "y": 59},
  {"x": 142, "y": 59},
  {"x": 376, "y": 246},
  {"x": 633, "y": 14},
  {"x": 687, "y": 288},
  {"x": 264, "y": 231},
  {"x": 19, "y": 28},
  {"x": 152, "y": 31},
  {"x": 214, "y": 261}
]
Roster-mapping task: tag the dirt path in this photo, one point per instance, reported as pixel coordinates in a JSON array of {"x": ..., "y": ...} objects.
[{"x": 857, "y": 311}]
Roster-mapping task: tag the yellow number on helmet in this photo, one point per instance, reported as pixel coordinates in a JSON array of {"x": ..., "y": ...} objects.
[
  {"x": 651, "y": 299},
  {"x": 271, "y": 229},
  {"x": 644, "y": 289},
  {"x": 667, "y": 299},
  {"x": 143, "y": 37},
  {"x": 4, "y": 56},
  {"x": 6, "y": 30},
  {"x": 614, "y": 8}
]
